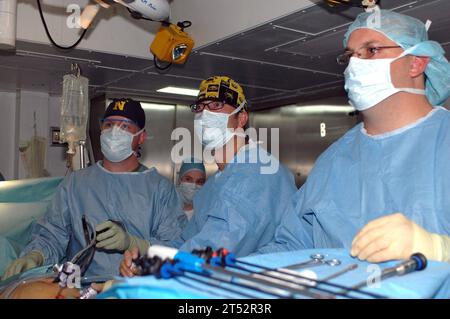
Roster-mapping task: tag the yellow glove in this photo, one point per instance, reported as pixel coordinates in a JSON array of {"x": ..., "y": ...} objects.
[
  {"x": 31, "y": 260},
  {"x": 396, "y": 237},
  {"x": 114, "y": 237}
]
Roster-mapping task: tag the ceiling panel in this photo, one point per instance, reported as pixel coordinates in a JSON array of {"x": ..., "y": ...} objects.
[
  {"x": 318, "y": 19},
  {"x": 321, "y": 18},
  {"x": 330, "y": 43},
  {"x": 254, "y": 41}
]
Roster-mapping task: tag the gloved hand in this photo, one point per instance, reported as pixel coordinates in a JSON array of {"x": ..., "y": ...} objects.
[
  {"x": 31, "y": 260},
  {"x": 396, "y": 237},
  {"x": 126, "y": 266},
  {"x": 115, "y": 237}
]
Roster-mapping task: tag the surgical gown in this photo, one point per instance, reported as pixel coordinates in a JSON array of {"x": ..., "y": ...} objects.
[
  {"x": 361, "y": 178},
  {"x": 144, "y": 201},
  {"x": 239, "y": 208}
]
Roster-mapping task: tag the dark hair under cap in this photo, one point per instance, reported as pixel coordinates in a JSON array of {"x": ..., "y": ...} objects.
[{"x": 128, "y": 108}]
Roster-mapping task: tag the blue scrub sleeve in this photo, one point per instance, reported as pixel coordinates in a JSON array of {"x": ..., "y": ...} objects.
[{"x": 51, "y": 234}]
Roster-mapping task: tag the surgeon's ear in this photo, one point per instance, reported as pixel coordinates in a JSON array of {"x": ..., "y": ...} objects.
[
  {"x": 242, "y": 119},
  {"x": 418, "y": 66},
  {"x": 142, "y": 137}
]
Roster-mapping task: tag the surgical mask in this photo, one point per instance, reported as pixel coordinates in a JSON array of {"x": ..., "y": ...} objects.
[
  {"x": 116, "y": 143},
  {"x": 368, "y": 82},
  {"x": 212, "y": 128},
  {"x": 187, "y": 191}
]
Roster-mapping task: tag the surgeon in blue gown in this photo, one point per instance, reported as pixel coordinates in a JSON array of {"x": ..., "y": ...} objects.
[
  {"x": 240, "y": 206},
  {"x": 382, "y": 190},
  {"x": 128, "y": 204}
]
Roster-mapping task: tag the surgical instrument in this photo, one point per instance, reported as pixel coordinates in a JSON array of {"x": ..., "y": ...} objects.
[
  {"x": 82, "y": 259},
  {"x": 227, "y": 259},
  {"x": 186, "y": 262},
  {"x": 169, "y": 268},
  {"x": 341, "y": 272},
  {"x": 296, "y": 274},
  {"x": 316, "y": 260},
  {"x": 220, "y": 258},
  {"x": 416, "y": 262}
]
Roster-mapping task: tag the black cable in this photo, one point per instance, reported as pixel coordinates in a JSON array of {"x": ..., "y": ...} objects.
[
  {"x": 159, "y": 67},
  {"x": 356, "y": 5},
  {"x": 184, "y": 24},
  {"x": 50, "y": 37},
  {"x": 137, "y": 15}
]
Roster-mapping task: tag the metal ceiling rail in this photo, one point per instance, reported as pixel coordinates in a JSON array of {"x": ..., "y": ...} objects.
[
  {"x": 128, "y": 76},
  {"x": 290, "y": 67},
  {"x": 294, "y": 93},
  {"x": 54, "y": 56}
]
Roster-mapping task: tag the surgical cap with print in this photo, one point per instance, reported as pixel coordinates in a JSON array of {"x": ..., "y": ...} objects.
[{"x": 411, "y": 34}]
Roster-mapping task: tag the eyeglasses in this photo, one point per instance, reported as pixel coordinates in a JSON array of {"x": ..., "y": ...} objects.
[
  {"x": 124, "y": 124},
  {"x": 365, "y": 52},
  {"x": 213, "y": 106}
]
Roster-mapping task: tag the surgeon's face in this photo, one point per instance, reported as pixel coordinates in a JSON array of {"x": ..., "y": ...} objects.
[
  {"x": 126, "y": 125},
  {"x": 194, "y": 177},
  {"x": 362, "y": 39}
]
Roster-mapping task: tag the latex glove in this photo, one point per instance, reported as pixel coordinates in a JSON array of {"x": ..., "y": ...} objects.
[
  {"x": 115, "y": 237},
  {"x": 126, "y": 266},
  {"x": 31, "y": 260},
  {"x": 103, "y": 287},
  {"x": 396, "y": 237}
]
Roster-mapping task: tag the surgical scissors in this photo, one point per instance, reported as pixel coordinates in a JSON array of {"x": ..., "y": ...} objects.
[{"x": 316, "y": 260}]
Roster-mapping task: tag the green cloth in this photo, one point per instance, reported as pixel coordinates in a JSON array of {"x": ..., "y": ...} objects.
[
  {"x": 22, "y": 203},
  {"x": 32, "y": 190}
]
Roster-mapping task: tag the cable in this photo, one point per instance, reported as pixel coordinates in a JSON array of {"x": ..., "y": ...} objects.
[
  {"x": 184, "y": 24},
  {"x": 50, "y": 37},
  {"x": 158, "y": 66},
  {"x": 349, "y": 3},
  {"x": 137, "y": 15}
]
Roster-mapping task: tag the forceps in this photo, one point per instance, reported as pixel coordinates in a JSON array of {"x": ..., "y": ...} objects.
[{"x": 315, "y": 260}]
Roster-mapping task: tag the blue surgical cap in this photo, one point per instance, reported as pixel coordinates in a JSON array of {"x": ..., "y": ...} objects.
[
  {"x": 411, "y": 34},
  {"x": 191, "y": 164}
]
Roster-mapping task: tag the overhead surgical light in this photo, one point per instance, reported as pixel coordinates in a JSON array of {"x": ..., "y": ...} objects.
[{"x": 172, "y": 44}]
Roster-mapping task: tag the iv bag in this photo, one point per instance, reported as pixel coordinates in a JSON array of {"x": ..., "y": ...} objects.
[{"x": 74, "y": 110}]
